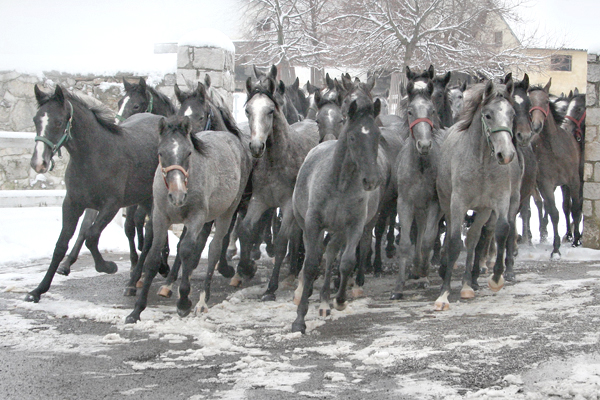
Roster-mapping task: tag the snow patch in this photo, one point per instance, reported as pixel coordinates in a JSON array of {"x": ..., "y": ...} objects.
[{"x": 207, "y": 37}]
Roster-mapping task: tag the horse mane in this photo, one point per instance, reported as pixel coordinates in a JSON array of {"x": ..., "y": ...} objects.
[
  {"x": 199, "y": 144},
  {"x": 163, "y": 97},
  {"x": 258, "y": 89},
  {"x": 103, "y": 115},
  {"x": 476, "y": 100}
]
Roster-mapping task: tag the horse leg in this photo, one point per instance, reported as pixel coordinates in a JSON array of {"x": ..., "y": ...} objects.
[
  {"x": 166, "y": 290},
  {"x": 70, "y": 216},
  {"x": 379, "y": 230},
  {"x": 331, "y": 251},
  {"x": 160, "y": 226},
  {"x": 88, "y": 219},
  {"x": 347, "y": 264},
  {"x": 473, "y": 237},
  {"x": 223, "y": 267},
  {"x": 428, "y": 238},
  {"x": 566, "y": 206},
  {"x": 248, "y": 235},
  {"x": 232, "y": 248},
  {"x": 139, "y": 219},
  {"x": 436, "y": 258},
  {"x": 547, "y": 192},
  {"x": 542, "y": 215},
  {"x": 136, "y": 273},
  {"x": 130, "y": 233},
  {"x": 405, "y": 216},
  {"x": 313, "y": 242},
  {"x": 526, "y": 219},
  {"x": 390, "y": 248},
  {"x": 215, "y": 249},
  {"x": 577, "y": 206},
  {"x": 509, "y": 273},
  {"x": 496, "y": 281}
]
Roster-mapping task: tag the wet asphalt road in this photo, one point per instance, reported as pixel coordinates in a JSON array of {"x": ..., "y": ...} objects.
[{"x": 549, "y": 314}]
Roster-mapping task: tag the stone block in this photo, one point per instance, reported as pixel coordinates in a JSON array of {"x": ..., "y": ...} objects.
[
  {"x": 591, "y": 95},
  {"x": 588, "y": 209},
  {"x": 6, "y": 76},
  {"x": 596, "y": 176},
  {"x": 209, "y": 58},
  {"x": 591, "y": 233},
  {"x": 20, "y": 89},
  {"x": 183, "y": 57},
  {"x": 593, "y": 72},
  {"x": 592, "y": 151},
  {"x": 591, "y": 134},
  {"x": 593, "y": 117},
  {"x": 588, "y": 172},
  {"x": 591, "y": 191},
  {"x": 184, "y": 75},
  {"x": 21, "y": 118}
]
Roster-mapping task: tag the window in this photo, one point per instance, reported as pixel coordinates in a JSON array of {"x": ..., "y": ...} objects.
[
  {"x": 498, "y": 38},
  {"x": 560, "y": 62}
]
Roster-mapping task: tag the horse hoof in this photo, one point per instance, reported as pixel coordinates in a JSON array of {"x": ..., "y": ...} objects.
[
  {"x": 255, "y": 254},
  {"x": 63, "y": 270},
  {"x": 108, "y": 267},
  {"x": 165, "y": 291},
  {"x": 164, "y": 270},
  {"x": 339, "y": 306},
  {"x": 139, "y": 284},
  {"x": 299, "y": 327},
  {"x": 509, "y": 276},
  {"x": 397, "y": 296},
  {"x": 324, "y": 312},
  {"x": 32, "y": 298},
  {"x": 130, "y": 292},
  {"x": 268, "y": 297},
  {"x": 183, "y": 312},
  {"x": 555, "y": 256},
  {"x": 131, "y": 319},
  {"x": 576, "y": 243},
  {"x": 442, "y": 303},
  {"x": 495, "y": 286},
  {"x": 390, "y": 252},
  {"x": 203, "y": 309},
  {"x": 358, "y": 292},
  {"x": 467, "y": 293},
  {"x": 475, "y": 285},
  {"x": 226, "y": 270},
  {"x": 236, "y": 281}
]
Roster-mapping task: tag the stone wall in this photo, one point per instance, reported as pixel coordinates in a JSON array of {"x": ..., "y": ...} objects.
[{"x": 591, "y": 174}]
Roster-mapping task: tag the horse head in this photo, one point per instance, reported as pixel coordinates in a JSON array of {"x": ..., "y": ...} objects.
[
  {"x": 540, "y": 106},
  {"x": 362, "y": 134},
  {"x": 421, "y": 115},
  {"x": 522, "y": 106},
  {"x": 456, "y": 99},
  {"x": 174, "y": 151},
  {"x": 263, "y": 113},
  {"x": 497, "y": 117},
  {"x": 53, "y": 127},
  {"x": 355, "y": 90},
  {"x": 329, "y": 115},
  {"x": 439, "y": 92},
  {"x": 197, "y": 107},
  {"x": 574, "y": 121},
  {"x": 137, "y": 99}
]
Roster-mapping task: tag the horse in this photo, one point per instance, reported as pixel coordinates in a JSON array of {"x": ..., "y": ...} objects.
[
  {"x": 329, "y": 116},
  {"x": 338, "y": 190},
  {"x": 111, "y": 167},
  {"x": 561, "y": 103},
  {"x": 478, "y": 171},
  {"x": 455, "y": 98},
  {"x": 279, "y": 150},
  {"x": 441, "y": 101},
  {"x": 298, "y": 99},
  {"x": 558, "y": 156},
  {"x": 201, "y": 178},
  {"x": 416, "y": 173},
  {"x": 138, "y": 98}
]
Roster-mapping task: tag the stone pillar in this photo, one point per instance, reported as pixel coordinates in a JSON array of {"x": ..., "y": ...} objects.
[
  {"x": 591, "y": 172},
  {"x": 207, "y": 51}
]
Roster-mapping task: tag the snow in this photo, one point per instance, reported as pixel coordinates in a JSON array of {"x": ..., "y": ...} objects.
[{"x": 207, "y": 37}]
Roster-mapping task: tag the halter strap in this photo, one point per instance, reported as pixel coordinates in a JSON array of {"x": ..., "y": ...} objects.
[
  {"x": 170, "y": 168},
  {"x": 55, "y": 147},
  {"x": 418, "y": 120},
  {"x": 209, "y": 119},
  {"x": 488, "y": 132},
  {"x": 578, "y": 131},
  {"x": 545, "y": 112}
]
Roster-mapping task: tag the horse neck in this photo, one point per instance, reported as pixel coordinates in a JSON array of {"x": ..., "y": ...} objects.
[
  {"x": 445, "y": 113},
  {"x": 280, "y": 137},
  {"x": 86, "y": 133},
  {"x": 344, "y": 169},
  {"x": 477, "y": 139}
]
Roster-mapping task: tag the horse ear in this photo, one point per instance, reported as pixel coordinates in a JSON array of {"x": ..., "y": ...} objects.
[
  {"x": 162, "y": 124},
  {"x": 410, "y": 86},
  {"x": 207, "y": 80},
  {"x": 570, "y": 94},
  {"x": 507, "y": 77},
  {"x": 271, "y": 86},
  {"x": 340, "y": 98},
  {"x": 371, "y": 83},
  {"x": 547, "y": 87},
  {"x": 347, "y": 82},
  {"x": 201, "y": 90},
  {"x": 40, "y": 96},
  {"x": 317, "y": 97},
  {"x": 281, "y": 87},
  {"x": 463, "y": 87},
  {"x": 186, "y": 124},
  {"x": 409, "y": 74},
  {"x": 387, "y": 93},
  {"x": 273, "y": 72},
  {"x": 489, "y": 89},
  {"x": 576, "y": 92},
  {"x": 58, "y": 93},
  {"x": 352, "y": 109},
  {"x": 430, "y": 87},
  {"x": 257, "y": 73},
  {"x": 128, "y": 86},
  {"x": 525, "y": 82},
  {"x": 142, "y": 84},
  {"x": 296, "y": 84},
  {"x": 447, "y": 78},
  {"x": 249, "y": 85},
  {"x": 376, "y": 108},
  {"x": 178, "y": 94},
  {"x": 431, "y": 71},
  {"x": 329, "y": 81},
  {"x": 510, "y": 87}
]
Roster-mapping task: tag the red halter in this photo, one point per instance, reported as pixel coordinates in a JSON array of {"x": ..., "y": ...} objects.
[
  {"x": 578, "y": 131},
  {"x": 418, "y": 120},
  {"x": 545, "y": 112},
  {"x": 170, "y": 168}
]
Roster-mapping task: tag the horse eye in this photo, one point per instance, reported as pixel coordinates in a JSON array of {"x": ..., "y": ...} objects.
[
  {"x": 488, "y": 116},
  {"x": 460, "y": 96},
  {"x": 136, "y": 107},
  {"x": 410, "y": 112},
  {"x": 247, "y": 112},
  {"x": 271, "y": 112}
]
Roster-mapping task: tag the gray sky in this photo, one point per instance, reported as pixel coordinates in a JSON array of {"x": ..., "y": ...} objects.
[{"x": 76, "y": 27}]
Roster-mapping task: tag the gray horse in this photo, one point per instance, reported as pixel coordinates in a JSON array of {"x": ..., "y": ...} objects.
[
  {"x": 478, "y": 171},
  {"x": 200, "y": 178},
  {"x": 416, "y": 174},
  {"x": 338, "y": 190},
  {"x": 279, "y": 150}
]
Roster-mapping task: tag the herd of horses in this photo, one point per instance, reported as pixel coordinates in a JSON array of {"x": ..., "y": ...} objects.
[{"x": 322, "y": 170}]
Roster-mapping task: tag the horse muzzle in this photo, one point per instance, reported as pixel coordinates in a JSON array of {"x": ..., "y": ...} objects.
[
  {"x": 257, "y": 149},
  {"x": 177, "y": 198}
]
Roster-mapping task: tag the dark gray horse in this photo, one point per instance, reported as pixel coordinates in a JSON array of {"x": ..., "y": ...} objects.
[
  {"x": 110, "y": 167},
  {"x": 329, "y": 115},
  {"x": 279, "y": 150},
  {"x": 416, "y": 174},
  {"x": 478, "y": 171},
  {"x": 558, "y": 156},
  {"x": 201, "y": 178},
  {"x": 338, "y": 191}
]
